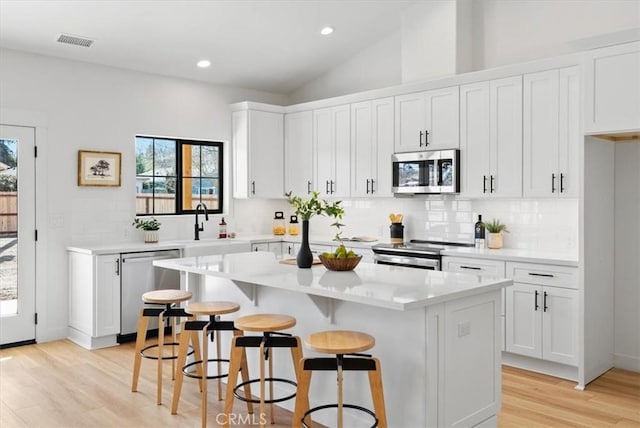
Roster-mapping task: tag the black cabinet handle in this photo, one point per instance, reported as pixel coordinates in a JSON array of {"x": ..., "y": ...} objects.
[
  {"x": 426, "y": 138},
  {"x": 117, "y": 267},
  {"x": 331, "y": 187},
  {"x": 420, "y": 140},
  {"x": 253, "y": 187},
  {"x": 553, "y": 183},
  {"x": 470, "y": 267},
  {"x": 372, "y": 186},
  {"x": 484, "y": 184},
  {"x": 491, "y": 185},
  {"x": 544, "y": 302},
  {"x": 546, "y": 275},
  {"x": 535, "y": 301},
  {"x": 308, "y": 187},
  {"x": 367, "y": 186},
  {"x": 561, "y": 183}
]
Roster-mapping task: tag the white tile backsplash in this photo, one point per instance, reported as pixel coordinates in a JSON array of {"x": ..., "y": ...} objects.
[{"x": 543, "y": 224}]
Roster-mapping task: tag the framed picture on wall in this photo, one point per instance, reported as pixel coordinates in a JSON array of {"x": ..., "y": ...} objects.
[{"x": 99, "y": 168}]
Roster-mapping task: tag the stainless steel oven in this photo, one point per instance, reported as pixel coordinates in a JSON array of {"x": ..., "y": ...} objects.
[{"x": 415, "y": 253}]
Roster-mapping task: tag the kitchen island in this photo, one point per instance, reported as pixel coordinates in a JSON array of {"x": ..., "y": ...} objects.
[{"x": 437, "y": 333}]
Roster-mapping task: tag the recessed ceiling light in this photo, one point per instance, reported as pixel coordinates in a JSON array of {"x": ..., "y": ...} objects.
[
  {"x": 326, "y": 31},
  {"x": 203, "y": 63}
]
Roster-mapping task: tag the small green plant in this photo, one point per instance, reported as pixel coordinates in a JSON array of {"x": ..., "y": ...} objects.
[
  {"x": 305, "y": 209},
  {"x": 150, "y": 224},
  {"x": 494, "y": 226}
]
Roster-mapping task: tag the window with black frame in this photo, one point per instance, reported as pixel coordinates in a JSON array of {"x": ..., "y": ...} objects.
[{"x": 174, "y": 175}]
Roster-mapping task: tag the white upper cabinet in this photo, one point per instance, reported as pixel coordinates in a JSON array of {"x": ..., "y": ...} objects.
[
  {"x": 371, "y": 147},
  {"x": 427, "y": 120},
  {"x": 551, "y": 133},
  {"x": 258, "y": 154},
  {"x": 298, "y": 153},
  {"x": 612, "y": 89},
  {"x": 491, "y": 138},
  {"x": 331, "y": 139}
]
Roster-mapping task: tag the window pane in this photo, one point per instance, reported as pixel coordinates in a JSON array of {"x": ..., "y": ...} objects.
[
  {"x": 165, "y": 201},
  {"x": 195, "y": 161},
  {"x": 210, "y": 155},
  {"x": 165, "y": 158},
  {"x": 144, "y": 156}
]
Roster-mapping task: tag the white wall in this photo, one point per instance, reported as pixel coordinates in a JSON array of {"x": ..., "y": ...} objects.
[
  {"x": 378, "y": 66},
  {"x": 100, "y": 108},
  {"x": 503, "y": 32},
  {"x": 508, "y": 32},
  {"x": 627, "y": 255}
]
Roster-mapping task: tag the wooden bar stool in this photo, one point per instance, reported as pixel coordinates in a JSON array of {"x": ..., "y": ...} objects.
[
  {"x": 270, "y": 326},
  {"x": 168, "y": 299},
  {"x": 345, "y": 345},
  {"x": 189, "y": 334}
]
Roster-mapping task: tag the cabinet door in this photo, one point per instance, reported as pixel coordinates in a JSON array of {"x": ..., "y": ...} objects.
[
  {"x": 569, "y": 132},
  {"x": 540, "y": 134},
  {"x": 613, "y": 89},
  {"x": 371, "y": 147},
  {"x": 523, "y": 318},
  {"x": 298, "y": 152},
  {"x": 266, "y": 143},
  {"x": 560, "y": 325},
  {"x": 443, "y": 118},
  {"x": 107, "y": 295},
  {"x": 362, "y": 148},
  {"x": 473, "y": 266},
  {"x": 475, "y": 139},
  {"x": 505, "y": 175},
  {"x": 410, "y": 122},
  {"x": 331, "y": 136}
]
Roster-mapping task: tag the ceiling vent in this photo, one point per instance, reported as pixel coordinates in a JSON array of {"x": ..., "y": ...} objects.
[{"x": 73, "y": 40}]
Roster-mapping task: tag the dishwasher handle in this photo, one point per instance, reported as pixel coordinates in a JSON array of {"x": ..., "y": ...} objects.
[{"x": 146, "y": 258}]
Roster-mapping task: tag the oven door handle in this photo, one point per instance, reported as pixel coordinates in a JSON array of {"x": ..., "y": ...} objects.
[{"x": 410, "y": 261}]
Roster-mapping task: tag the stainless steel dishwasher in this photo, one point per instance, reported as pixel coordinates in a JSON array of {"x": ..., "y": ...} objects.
[{"x": 137, "y": 276}]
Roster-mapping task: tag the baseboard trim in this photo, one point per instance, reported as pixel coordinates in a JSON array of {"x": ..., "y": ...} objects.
[{"x": 626, "y": 362}]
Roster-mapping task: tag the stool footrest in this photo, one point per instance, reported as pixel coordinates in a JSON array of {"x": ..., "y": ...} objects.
[
  {"x": 195, "y": 325},
  {"x": 327, "y": 363},
  {"x": 152, "y": 312},
  {"x": 211, "y": 360},
  {"x": 167, "y": 357},
  {"x": 269, "y": 342},
  {"x": 216, "y": 325},
  {"x": 346, "y": 406},
  {"x": 175, "y": 312},
  {"x": 257, "y": 400}
]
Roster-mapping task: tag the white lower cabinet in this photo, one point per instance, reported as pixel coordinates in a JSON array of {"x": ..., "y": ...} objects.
[
  {"x": 542, "y": 320},
  {"x": 273, "y": 247},
  {"x": 94, "y": 299}
]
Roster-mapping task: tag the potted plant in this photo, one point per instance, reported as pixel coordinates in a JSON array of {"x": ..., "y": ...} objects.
[
  {"x": 150, "y": 227},
  {"x": 307, "y": 208},
  {"x": 494, "y": 228}
]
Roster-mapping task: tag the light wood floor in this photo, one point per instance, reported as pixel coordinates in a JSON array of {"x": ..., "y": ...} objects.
[{"x": 59, "y": 384}]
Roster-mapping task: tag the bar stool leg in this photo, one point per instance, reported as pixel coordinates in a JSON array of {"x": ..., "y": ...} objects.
[
  {"x": 173, "y": 349},
  {"x": 340, "y": 400},
  {"x": 262, "y": 404},
  {"x": 244, "y": 371},
  {"x": 182, "y": 359},
  {"x": 143, "y": 323},
  {"x": 160, "y": 354},
  {"x": 205, "y": 359},
  {"x": 375, "y": 383},
  {"x": 218, "y": 352},
  {"x": 197, "y": 355},
  {"x": 296, "y": 356},
  {"x": 232, "y": 380},
  {"x": 302, "y": 395}
]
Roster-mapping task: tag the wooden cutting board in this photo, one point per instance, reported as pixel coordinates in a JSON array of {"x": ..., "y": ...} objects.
[{"x": 293, "y": 262}]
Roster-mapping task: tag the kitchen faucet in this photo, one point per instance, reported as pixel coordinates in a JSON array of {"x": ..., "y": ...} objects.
[{"x": 200, "y": 227}]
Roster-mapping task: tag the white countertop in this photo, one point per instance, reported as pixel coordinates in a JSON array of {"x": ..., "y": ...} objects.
[
  {"x": 563, "y": 258},
  {"x": 384, "y": 286}
]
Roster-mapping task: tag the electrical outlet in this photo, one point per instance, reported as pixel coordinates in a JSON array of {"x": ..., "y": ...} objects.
[{"x": 464, "y": 329}]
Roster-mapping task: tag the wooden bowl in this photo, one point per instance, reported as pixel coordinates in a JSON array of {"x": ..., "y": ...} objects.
[{"x": 343, "y": 264}]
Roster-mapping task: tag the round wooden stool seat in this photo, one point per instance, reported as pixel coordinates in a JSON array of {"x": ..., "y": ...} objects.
[
  {"x": 340, "y": 342},
  {"x": 212, "y": 308},
  {"x": 166, "y": 296},
  {"x": 265, "y": 322}
]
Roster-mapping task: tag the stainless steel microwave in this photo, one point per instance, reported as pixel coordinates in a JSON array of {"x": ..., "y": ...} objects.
[{"x": 426, "y": 172}]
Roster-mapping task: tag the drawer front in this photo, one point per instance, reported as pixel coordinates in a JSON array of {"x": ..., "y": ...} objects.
[
  {"x": 473, "y": 266},
  {"x": 532, "y": 273}
]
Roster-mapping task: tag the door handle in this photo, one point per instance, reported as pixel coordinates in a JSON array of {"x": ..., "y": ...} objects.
[
  {"x": 470, "y": 267},
  {"x": 117, "y": 267},
  {"x": 562, "y": 183},
  {"x": 547, "y": 275},
  {"x": 544, "y": 302},
  {"x": 367, "y": 186},
  {"x": 553, "y": 183},
  {"x": 331, "y": 187},
  {"x": 253, "y": 187},
  {"x": 484, "y": 184},
  {"x": 420, "y": 139},
  {"x": 327, "y": 187},
  {"x": 372, "y": 186},
  {"x": 535, "y": 302},
  {"x": 426, "y": 138},
  {"x": 491, "y": 189},
  {"x": 308, "y": 187}
]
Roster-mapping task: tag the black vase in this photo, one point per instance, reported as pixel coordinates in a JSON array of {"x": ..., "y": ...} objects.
[{"x": 304, "y": 259}]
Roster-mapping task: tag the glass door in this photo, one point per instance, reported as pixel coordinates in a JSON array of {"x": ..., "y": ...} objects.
[{"x": 17, "y": 234}]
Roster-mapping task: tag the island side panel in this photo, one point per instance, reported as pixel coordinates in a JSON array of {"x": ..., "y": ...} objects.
[
  {"x": 400, "y": 346},
  {"x": 470, "y": 388}
]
